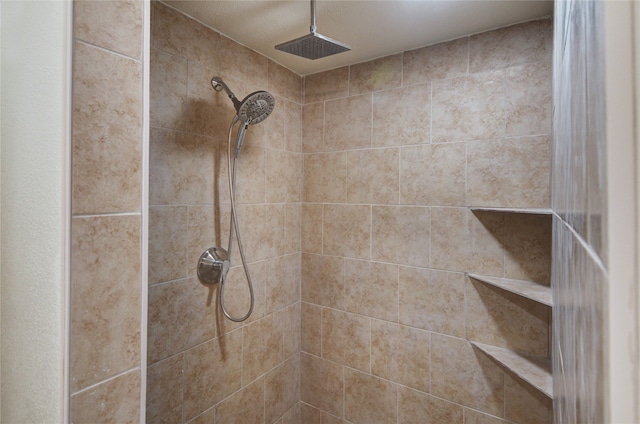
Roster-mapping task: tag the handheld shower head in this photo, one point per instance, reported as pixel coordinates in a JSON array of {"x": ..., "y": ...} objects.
[{"x": 254, "y": 108}]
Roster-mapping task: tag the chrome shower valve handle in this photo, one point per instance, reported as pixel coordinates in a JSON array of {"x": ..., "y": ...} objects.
[{"x": 213, "y": 265}]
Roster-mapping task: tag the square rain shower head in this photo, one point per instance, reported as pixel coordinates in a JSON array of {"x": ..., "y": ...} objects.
[{"x": 313, "y": 46}]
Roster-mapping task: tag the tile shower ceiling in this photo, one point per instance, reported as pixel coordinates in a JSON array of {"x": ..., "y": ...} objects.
[{"x": 372, "y": 28}]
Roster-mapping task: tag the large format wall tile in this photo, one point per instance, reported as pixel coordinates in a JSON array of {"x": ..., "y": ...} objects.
[
  {"x": 513, "y": 45},
  {"x": 348, "y": 123},
  {"x": 529, "y": 99},
  {"x": 433, "y": 175},
  {"x": 168, "y": 91},
  {"x": 173, "y": 32},
  {"x": 415, "y": 406},
  {"x": 372, "y": 290},
  {"x": 282, "y": 388},
  {"x": 164, "y": 394},
  {"x": 106, "y": 292},
  {"x": 180, "y": 317},
  {"x": 436, "y": 62},
  {"x": 116, "y": 400},
  {"x": 401, "y": 354},
  {"x": 213, "y": 371},
  {"x": 469, "y": 108},
  {"x": 346, "y": 339},
  {"x": 511, "y": 172},
  {"x": 107, "y": 129},
  {"x": 372, "y": 176},
  {"x": 375, "y": 75},
  {"x": 326, "y": 85},
  {"x": 432, "y": 300},
  {"x": 325, "y": 178},
  {"x": 402, "y": 116},
  {"x": 400, "y": 235},
  {"x": 322, "y": 384},
  {"x": 466, "y": 376},
  {"x": 168, "y": 240},
  {"x": 346, "y": 231},
  {"x": 244, "y": 406},
  {"x": 369, "y": 399},
  {"x": 93, "y": 23},
  {"x": 464, "y": 241}
]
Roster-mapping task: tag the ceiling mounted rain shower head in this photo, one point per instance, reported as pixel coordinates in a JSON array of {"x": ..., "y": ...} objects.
[{"x": 313, "y": 46}]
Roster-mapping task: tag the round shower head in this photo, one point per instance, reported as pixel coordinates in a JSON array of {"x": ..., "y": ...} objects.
[{"x": 256, "y": 107}]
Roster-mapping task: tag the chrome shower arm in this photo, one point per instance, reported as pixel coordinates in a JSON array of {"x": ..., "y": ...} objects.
[{"x": 218, "y": 84}]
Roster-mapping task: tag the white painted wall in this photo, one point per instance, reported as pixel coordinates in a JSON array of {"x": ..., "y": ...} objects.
[
  {"x": 35, "y": 72},
  {"x": 623, "y": 389}
]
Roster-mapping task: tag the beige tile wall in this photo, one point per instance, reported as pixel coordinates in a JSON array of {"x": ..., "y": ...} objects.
[
  {"x": 106, "y": 277},
  {"x": 354, "y": 202},
  {"x": 202, "y": 367},
  {"x": 395, "y": 151}
]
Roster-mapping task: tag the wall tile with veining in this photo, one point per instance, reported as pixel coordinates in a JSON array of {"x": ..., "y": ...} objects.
[
  {"x": 243, "y": 63},
  {"x": 400, "y": 234},
  {"x": 168, "y": 91},
  {"x": 261, "y": 347},
  {"x": 513, "y": 45},
  {"x": 511, "y": 172},
  {"x": 118, "y": 399},
  {"x": 107, "y": 129},
  {"x": 282, "y": 285},
  {"x": 164, "y": 391},
  {"x": 415, "y": 406},
  {"x": 214, "y": 371},
  {"x": 346, "y": 339},
  {"x": 93, "y": 23},
  {"x": 402, "y": 116},
  {"x": 283, "y": 182},
  {"x": 375, "y": 75},
  {"x": 244, "y": 406},
  {"x": 436, "y": 62},
  {"x": 372, "y": 176},
  {"x": 369, "y": 399},
  {"x": 292, "y": 127},
  {"x": 322, "y": 384},
  {"x": 313, "y": 128},
  {"x": 292, "y": 228},
  {"x": 469, "y": 108},
  {"x": 401, "y": 354},
  {"x": 346, "y": 231},
  {"x": 525, "y": 404},
  {"x": 348, "y": 123},
  {"x": 105, "y": 281},
  {"x": 282, "y": 389},
  {"x": 181, "y": 168},
  {"x": 529, "y": 99},
  {"x": 465, "y": 375},
  {"x": 327, "y": 85},
  {"x": 311, "y": 228},
  {"x": 325, "y": 177},
  {"x": 181, "y": 315},
  {"x": 433, "y": 175},
  {"x": 175, "y": 33},
  {"x": 464, "y": 241},
  {"x": 167, "y": 243},
  {"x": 371, "y": 289},
  {"x": 284, "y": 83},
  {"x": 311, "y": 329},
  {"x": 432, "y": 300},
  {"x": 323, "y": 280}
]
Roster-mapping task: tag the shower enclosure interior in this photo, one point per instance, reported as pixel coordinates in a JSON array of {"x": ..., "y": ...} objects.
[{"x": 352, "y": 200}]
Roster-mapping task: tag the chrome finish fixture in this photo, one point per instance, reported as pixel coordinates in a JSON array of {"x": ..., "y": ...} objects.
[
  {"x": 313, "y": 46},
  {"x": 254, "y": 108},
  {"x": 214, "y": 263}
]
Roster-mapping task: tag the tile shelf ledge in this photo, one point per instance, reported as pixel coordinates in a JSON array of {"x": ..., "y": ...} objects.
[
  {"x": 533, "y": 211},
  {"x": 534, "y": 370},
  {"x": 530, "y": 290}
]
